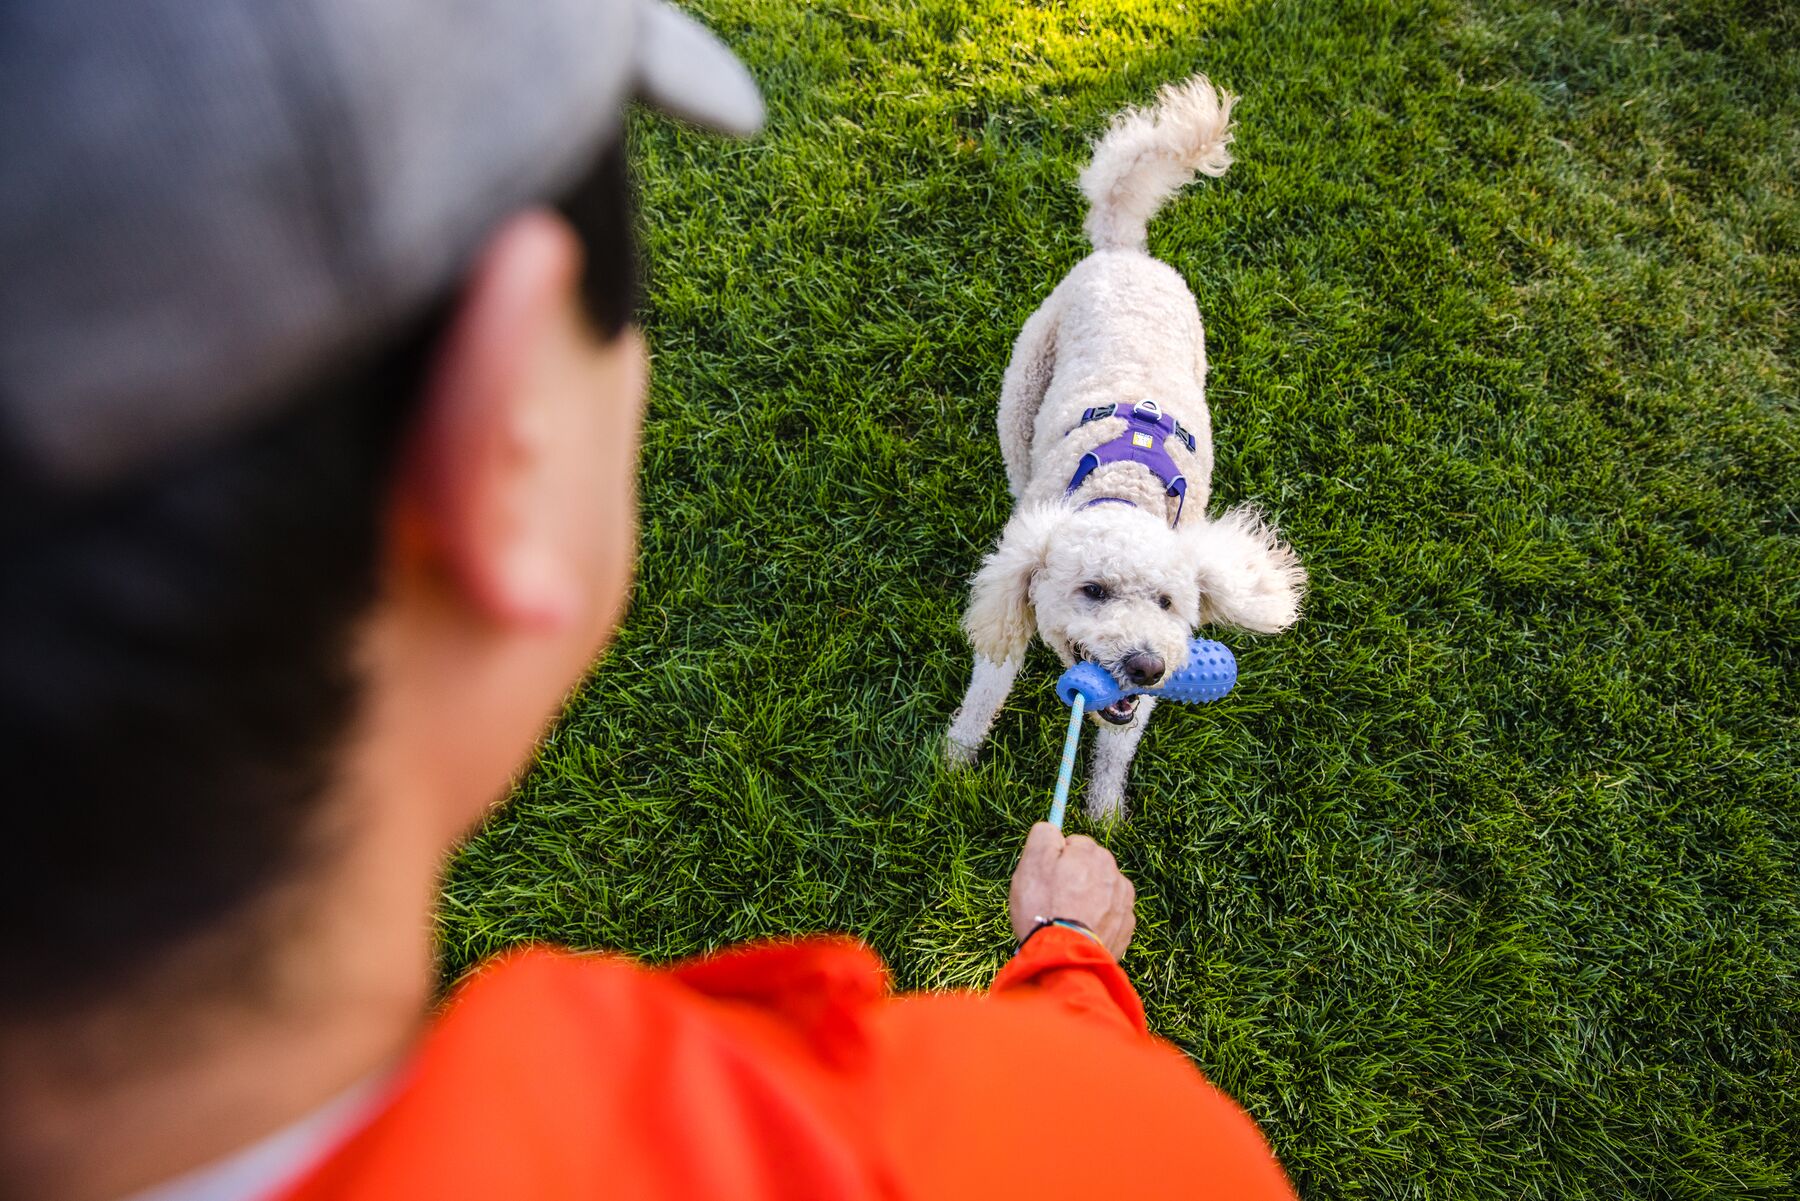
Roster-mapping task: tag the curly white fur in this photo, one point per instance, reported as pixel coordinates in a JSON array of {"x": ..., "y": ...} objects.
[
  {"x": 1120, "y": 328},
  {"x": 1149, "y": 154}
]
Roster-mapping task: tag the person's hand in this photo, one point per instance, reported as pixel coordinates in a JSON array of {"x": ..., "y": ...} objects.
[{"x": 1074, "y": 878}]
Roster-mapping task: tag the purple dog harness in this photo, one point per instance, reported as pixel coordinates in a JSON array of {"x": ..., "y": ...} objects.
[{"x": 1146, "y": 425}]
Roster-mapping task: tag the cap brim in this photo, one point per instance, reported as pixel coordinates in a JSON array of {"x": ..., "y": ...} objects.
[{"x": 682, "y": 69}]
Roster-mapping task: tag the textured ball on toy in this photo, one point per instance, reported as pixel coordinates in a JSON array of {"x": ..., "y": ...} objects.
[{"x": 1096, "y": 685}]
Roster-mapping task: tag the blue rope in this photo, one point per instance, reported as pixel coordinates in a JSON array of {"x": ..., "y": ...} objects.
[{"x": 1060, "y": 801}]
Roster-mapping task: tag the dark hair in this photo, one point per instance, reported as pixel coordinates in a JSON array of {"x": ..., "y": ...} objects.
[{"x": 175, "y": 657}]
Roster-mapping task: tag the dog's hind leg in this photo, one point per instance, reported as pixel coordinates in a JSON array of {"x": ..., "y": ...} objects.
[
  {"x": 981, "y": 705},
  {"x": 1022, "y": 391},
  {"x": 1114, "y": 748}
]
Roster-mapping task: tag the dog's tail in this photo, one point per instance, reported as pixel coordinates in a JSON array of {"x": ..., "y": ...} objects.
[{"x": 1149, "y": 153}]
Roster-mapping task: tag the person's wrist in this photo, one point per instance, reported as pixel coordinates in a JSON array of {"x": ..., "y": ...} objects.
[{"x": 1039, "y": 924}]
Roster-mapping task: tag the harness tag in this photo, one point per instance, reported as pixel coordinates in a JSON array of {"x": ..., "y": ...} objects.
[{"x": 1142, "y": 441}]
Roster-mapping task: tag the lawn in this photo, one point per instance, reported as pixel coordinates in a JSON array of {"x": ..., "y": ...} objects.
[{"x": 1486, "y": 880}]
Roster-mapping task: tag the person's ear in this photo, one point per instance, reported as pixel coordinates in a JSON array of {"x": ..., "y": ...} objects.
[
  {"x": 999, "y": 618},
  {"x": 471, "y": 495},
  {"x": 1248, "y": 577}
]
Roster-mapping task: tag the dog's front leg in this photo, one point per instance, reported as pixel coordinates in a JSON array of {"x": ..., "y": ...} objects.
[
  {"x": 988, "y": 688},
  {"x": 1113, "y": 751}
]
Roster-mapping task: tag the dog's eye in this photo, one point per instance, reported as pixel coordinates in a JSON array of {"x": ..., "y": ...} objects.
[
  {"x": 1094, "y": 592},
  {"x": 1164, "y": 601}
]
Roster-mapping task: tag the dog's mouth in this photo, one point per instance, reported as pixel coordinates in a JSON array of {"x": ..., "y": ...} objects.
[{"x": 1120, "y": 711}]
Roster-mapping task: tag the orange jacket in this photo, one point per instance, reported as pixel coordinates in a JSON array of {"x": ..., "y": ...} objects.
[{"x": 792, "y": 1071}]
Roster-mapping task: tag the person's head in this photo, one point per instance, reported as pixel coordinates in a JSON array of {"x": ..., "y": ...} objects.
[{"x": 246, "y": 576}]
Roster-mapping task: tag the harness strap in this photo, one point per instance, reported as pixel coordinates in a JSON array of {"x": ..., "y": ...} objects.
[{"x": 1175, "y": 427}]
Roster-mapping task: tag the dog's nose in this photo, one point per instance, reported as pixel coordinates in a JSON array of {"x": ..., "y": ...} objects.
[{"x": 1144, "y": 668}]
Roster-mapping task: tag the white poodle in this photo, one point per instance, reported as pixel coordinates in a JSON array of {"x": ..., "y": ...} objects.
[{"x": 1108, "y": 447}]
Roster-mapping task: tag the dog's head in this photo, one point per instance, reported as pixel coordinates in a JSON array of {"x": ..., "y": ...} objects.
[{"x": 1114, "y": 585}]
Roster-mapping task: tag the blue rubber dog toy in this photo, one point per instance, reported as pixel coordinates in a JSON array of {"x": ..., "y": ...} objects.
[{"x": 1210, "y": 673}]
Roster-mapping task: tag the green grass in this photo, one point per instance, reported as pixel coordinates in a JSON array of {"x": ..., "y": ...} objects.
[{"x": 1486, "y": 880}]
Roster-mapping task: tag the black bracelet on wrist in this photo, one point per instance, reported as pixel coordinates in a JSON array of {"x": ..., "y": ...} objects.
[{"x": 1067, "y": 923}]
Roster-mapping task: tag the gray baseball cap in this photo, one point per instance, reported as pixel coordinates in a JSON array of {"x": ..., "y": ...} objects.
[{"x": 204, "y": 201}]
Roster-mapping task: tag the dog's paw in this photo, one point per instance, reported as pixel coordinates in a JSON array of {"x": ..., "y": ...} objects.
[
  {"x": 960, "y": 754},
  {"x": 1105, "y": 804}
]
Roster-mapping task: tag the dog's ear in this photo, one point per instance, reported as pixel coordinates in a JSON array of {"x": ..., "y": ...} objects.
[
  {"x": 1248, "y": 577},
  {"x": 999, "y": 619}
]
